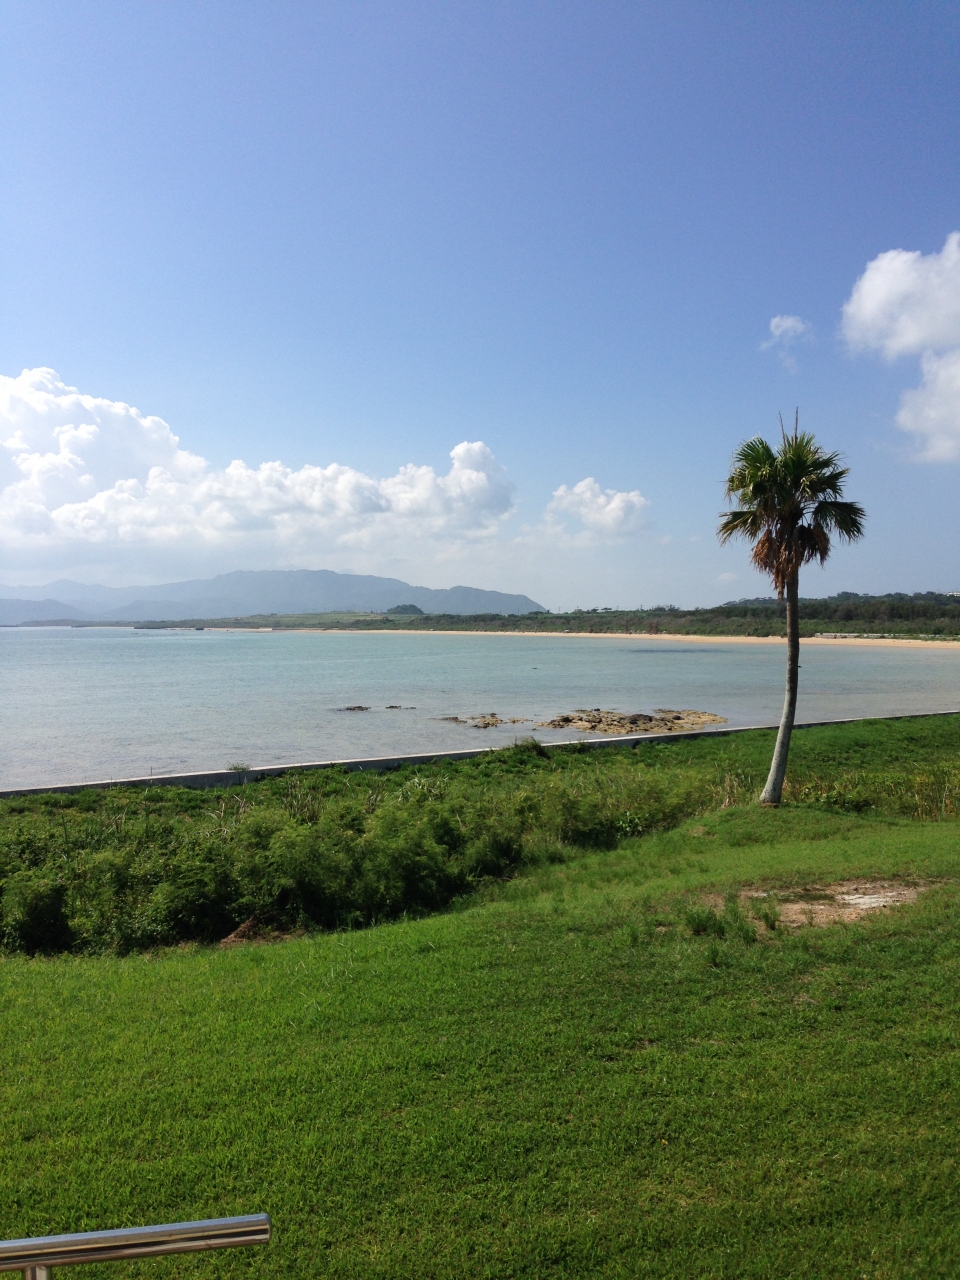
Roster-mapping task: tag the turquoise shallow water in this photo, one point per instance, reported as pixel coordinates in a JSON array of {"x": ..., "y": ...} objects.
[{"x": 87, "y": 704}]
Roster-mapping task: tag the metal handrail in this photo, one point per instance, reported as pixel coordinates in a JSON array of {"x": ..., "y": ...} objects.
[{"x": 36, "y": 1257}]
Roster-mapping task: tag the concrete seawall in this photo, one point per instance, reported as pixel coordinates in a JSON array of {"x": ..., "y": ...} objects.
[{"x": 235, "y": 778}]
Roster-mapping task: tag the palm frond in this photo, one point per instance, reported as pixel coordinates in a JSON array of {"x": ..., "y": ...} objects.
[
  {"x": 745, "y": 522},
  {"x": 845, "y": 519}
]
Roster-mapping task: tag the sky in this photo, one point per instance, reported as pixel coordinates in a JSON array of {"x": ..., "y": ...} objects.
[{"x": 473, "y": 293}]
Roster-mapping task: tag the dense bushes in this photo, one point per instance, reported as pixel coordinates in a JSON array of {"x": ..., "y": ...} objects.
[{"x": 120, "y": 870}]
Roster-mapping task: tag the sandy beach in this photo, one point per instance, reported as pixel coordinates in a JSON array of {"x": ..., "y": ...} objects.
[{"x": 880, "y": 642}]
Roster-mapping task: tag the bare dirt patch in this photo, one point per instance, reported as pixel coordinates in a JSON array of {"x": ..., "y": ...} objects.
[
  {"x": 821, "y": 905},
  {"x": 252, "y": 931}
]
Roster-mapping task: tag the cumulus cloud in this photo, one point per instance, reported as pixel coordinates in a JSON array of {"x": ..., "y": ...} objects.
[
  {"x": 77, "y": 469},
  {"x": 932, "y": 410},
  {"x": 94, "y": 482},
  {"x": 908, "y": 303},
  {"x": 610, "y": 512}
]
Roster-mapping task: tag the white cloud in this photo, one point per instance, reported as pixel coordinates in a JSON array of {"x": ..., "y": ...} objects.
[
  {"x": 932, "y": 410},
  {"x": 727, "y": 577},
  {"x": 907, "y": 302},
  {"x": 76, "y": 469},
  {"x": 786, "y": 329},
  {"x": 610, "y": 512},
  {"x": 785, "y": 332},
  {"x": 94, "y": 483}
]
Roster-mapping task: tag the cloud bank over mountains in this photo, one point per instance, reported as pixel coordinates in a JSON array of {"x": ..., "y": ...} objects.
[
  {"x": 908, "y": 304},
  {"x": 87, "y": 480}
]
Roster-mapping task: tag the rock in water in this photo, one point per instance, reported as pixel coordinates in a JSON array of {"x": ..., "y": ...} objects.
[{"x": 663, "y": 720}]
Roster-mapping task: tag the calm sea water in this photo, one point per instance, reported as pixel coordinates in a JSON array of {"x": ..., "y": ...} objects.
[{"x": 87, "y": 704}]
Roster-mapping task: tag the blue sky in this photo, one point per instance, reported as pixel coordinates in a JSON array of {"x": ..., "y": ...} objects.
[{"x": 362, "y": 234}]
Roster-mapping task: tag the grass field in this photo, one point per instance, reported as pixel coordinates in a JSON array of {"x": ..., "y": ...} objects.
[{"x": 556, "y": 1077}]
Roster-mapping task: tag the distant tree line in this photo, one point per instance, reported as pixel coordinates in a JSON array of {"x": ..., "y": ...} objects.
[
  {"x": 926, "y": 612},
  {"x": 923, "y": 613}
]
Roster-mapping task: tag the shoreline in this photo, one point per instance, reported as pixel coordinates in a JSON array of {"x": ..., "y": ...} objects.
[
  {"x": 880, "y": 641},
  {"x": 207, "y": 779},
  {"x": 908, "y": 642}
]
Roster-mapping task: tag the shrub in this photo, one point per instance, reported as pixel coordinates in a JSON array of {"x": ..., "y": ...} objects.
[{"x": 34, "y": 914}]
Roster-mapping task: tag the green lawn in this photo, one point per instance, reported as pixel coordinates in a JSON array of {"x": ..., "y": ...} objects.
[{"x": 555, "y": 1079}]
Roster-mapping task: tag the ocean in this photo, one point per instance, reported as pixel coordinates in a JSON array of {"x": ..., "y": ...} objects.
[{"x": 91, "y": 704}]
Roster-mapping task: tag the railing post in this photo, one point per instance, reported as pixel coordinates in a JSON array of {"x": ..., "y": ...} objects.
[{"x": 37, "y": 1273}]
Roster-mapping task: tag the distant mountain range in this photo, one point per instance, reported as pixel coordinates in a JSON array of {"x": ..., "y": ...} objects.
[{"x": 233, "y": 595}]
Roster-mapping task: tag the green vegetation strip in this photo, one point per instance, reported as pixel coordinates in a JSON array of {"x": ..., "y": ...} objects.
[
  {"x": 926, "y": 615},
  {"x": 120, "y": 870},
  {"x": 570, "y": 1074}
]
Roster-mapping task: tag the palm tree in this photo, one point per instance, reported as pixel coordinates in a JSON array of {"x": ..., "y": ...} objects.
[{"x": 789, "y": 502}]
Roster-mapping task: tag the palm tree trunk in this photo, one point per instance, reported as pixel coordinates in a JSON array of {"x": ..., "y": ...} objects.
[{"x": 778, "y": 767}]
